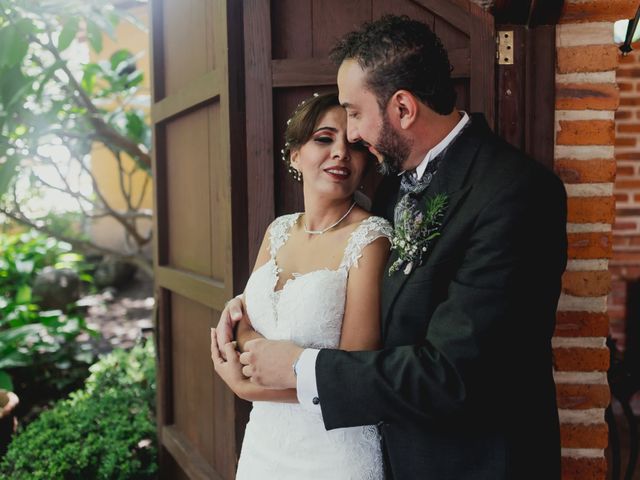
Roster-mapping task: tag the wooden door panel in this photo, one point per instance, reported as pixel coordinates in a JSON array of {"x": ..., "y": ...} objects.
[
  {"x": 189, "y": 41},
  {"x": 332, "y": 17},
  {"x": 189, "y": 239},
  {"x": 193, "y": 394},
  {"x": 292, "y": 38}
]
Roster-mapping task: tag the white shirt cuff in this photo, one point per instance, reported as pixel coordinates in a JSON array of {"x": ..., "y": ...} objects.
[{"x": 307, "y": 389}]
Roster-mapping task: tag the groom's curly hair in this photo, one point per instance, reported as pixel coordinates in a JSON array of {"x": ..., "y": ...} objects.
[{"x": 398, "y": 53}]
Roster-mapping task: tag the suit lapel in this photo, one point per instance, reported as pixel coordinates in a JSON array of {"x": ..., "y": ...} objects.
[{"x": 451, "y": 180}]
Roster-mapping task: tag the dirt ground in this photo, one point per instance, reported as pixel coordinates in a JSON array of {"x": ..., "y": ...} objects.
[{"x": 122, "y": 316}]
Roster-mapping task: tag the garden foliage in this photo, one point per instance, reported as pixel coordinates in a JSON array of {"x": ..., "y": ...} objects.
[
  {"x": 104, "y": 431},
  {"x": 41, "y": 344}
]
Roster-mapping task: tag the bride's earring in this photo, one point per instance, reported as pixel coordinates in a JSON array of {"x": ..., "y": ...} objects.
[{"x": 297, "y": 174}]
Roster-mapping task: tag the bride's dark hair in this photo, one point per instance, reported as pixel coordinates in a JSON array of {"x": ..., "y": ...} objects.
[{"x": 305, "y": 116}]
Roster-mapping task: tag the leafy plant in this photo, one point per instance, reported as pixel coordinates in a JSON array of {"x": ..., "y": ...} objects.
[
  {"x": 104, "y": 431},
  {"x": 42, "y": 342}
]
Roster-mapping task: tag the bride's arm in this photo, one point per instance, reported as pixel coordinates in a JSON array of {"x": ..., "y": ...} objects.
[
  {"x": 361, "y": 323},
  {"x": 231, "y": 370}
]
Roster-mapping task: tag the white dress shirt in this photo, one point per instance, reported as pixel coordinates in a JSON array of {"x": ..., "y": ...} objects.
[{"x": 305, "y": 367}]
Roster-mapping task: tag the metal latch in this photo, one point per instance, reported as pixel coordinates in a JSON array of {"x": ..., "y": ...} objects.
[{"x": 504, "y": 53}]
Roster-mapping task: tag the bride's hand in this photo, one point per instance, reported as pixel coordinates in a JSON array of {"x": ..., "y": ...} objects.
[
  {"x": 232, "y": 314},
  {"x": 230, "y": 370}
]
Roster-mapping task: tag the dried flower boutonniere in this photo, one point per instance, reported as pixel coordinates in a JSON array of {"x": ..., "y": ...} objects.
[{"x": 415, "y": 230}]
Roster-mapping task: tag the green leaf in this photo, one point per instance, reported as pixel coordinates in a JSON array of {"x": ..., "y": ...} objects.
[
  {"x": 5, "y": 381},
  {"x": 69, "y": 32},
  {"x": 95, "y": 36},
  {"x": 24, "y": 294}
]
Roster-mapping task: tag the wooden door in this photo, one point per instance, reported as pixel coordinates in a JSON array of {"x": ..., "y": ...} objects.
[
  {"x": 199, "y": 173},
  {"x": 286, "y": 47}
]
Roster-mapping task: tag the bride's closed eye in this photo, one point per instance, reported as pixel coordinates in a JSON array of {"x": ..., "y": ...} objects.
[{"x": 323, "y": 139}]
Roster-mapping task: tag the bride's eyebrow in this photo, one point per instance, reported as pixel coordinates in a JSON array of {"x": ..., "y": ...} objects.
[{"x": 334, "y": 130}]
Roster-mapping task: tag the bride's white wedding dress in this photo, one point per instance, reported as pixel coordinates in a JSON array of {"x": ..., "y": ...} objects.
[{"x": 283, "y": 440}]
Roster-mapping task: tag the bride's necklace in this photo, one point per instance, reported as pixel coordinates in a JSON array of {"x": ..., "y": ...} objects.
[{"x": 320, "y": 232}]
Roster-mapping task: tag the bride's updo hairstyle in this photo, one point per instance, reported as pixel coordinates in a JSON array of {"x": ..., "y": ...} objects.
[{"x": 301, "y": 124}]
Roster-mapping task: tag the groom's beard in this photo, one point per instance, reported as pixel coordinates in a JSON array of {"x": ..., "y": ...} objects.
[{"x": 393, "y": 147}]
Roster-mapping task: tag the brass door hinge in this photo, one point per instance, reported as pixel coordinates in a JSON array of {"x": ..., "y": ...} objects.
[{"x": 504, "y": 50}]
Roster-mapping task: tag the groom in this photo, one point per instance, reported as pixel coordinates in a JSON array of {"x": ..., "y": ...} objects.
[{"x": 463, "y": 388}]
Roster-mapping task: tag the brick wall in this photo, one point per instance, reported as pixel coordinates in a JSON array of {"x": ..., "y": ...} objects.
[
  {"x": 586, "y": 100},
  {"x": 625, "y": 264}
]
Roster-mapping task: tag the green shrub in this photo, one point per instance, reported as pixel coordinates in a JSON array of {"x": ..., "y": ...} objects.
[{"x": 105, "y": 431}]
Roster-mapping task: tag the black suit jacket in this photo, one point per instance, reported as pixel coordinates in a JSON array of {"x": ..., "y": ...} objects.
[{"x": 463, "y": 388}]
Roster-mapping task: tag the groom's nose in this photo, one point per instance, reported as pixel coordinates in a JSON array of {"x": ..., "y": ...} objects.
[{"x": 353, "y": 135}]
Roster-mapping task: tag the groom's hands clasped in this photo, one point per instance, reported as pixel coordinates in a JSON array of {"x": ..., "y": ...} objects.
[{"x": 269, "y": 363}]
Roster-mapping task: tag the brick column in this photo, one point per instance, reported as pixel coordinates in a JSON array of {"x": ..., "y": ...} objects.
[{"x": 586, "y": 100}]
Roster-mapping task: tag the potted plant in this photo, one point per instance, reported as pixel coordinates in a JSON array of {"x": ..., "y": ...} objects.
[{"x": 8, "y": 421}]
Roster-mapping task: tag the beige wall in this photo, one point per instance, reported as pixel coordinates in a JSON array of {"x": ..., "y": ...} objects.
[{"x": 106, "y": 231}]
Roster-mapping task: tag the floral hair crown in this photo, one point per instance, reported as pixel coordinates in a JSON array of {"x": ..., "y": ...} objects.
[{"x": 285, "y": 152}]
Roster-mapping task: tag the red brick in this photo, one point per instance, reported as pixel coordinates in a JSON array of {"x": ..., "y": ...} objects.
[
  {"x": 626, "y": 141},
  {"x": 584, "y": 468},
  {"x": 584, "y": 436},
  {"x": 628, "y": 257},
  {"x": 630, "y": 101},
  {"x": 589, "y": 58},
  {"x": 628, "y": 184},
  {"x": 636, "y": 197},
  {"x": 580, "y": 397},
  {"x": 635, "y": 241},
  {"x": 581, "y": 359},
  {"x": 598, "y": 11},
  {"x": 582, "y": 96},
  {"x": 585, "y": 171},
  {"x": 625, "y": 171},
  {"x": 586, "y": 132},
  {"x": 586, "y": 245},
  {"x": 625, "y": 72},
  {"x": 628, "y": 156},
  {"x": 581, "y": 324},
  {"x": 591, "y": 209},
  {"x": 623, "y": 114},
  {"x": 621, "y": 197},
  {"x": 586, "y": 283},
  {"x": 620, "y": 241},
  {"x": 638, "y": 114},
  {"x": 624, "y": 226},
  {"x": 633, "y": 127},
  {"x": 625, "y": 86}
]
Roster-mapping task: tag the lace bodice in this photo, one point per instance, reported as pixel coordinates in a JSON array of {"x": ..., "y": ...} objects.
[
  {"x": 308, "y": 310},
  {"x": 284, "y": 441}
]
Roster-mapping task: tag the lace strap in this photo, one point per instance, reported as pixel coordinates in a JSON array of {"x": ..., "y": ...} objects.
[
  {"x": 369, "y": 230},
  {"x": 279, "y": 232}
]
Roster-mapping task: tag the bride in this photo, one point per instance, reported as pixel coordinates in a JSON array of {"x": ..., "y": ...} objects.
[{"x": 327, "y": 263}]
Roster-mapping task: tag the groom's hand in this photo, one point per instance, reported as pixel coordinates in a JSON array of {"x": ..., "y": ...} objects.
[{"x": 269, "y": 363}]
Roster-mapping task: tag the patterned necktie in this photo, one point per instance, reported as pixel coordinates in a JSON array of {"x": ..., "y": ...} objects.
[{"x": 410, "y": 186}]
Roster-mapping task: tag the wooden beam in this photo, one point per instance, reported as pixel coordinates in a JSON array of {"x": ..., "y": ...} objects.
[
  {"x": 198, "y": 288},
  {"x": 203, "y": 89},
  {"x": 300, "y": 72}
]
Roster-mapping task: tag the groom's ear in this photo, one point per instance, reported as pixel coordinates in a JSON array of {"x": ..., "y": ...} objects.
[{"x": 404, "y": 106}]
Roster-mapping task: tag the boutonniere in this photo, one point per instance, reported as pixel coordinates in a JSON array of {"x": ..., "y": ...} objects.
[{"x": 415, "y": 231}]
